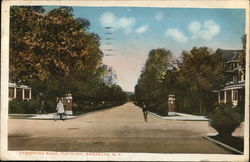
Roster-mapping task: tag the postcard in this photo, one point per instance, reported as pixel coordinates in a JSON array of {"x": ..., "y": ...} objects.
[{"x": 125, "y": 80}]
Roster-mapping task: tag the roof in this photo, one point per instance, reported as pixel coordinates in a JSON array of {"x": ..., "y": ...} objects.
[
  {"x": 230, "y": 55},
  {"x": 14, "y": 85}
]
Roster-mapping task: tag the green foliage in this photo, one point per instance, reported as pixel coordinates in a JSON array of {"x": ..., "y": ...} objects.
[
  {"x": 242, "y": 58},
  {"x": 241, "y": 110},
  {"x": 225, "y": 119},
  {"x": 55, "y": 54},
  {"x": 201, "y": 72},
  {"x": 16, "y": 106},
  {"x": 162, "y": 108},
  {"x": 151, "y": 88},
  {"x": 49, "y": 44},
  {"x": 23, "y": 106}
]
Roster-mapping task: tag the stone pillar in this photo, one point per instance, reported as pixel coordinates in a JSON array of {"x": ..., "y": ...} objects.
[
  {"x": 68, "y": 104},
  {"x": 171, "y": 104}
]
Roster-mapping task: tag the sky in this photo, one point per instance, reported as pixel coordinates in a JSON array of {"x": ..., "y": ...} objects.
[{"x": 137, "y": 30}]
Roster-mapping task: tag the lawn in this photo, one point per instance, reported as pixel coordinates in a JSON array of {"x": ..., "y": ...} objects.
[{"x": 235, "y": 142}]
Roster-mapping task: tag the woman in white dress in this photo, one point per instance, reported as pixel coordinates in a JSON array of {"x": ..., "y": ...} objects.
[{"x": 60, "y": 109}]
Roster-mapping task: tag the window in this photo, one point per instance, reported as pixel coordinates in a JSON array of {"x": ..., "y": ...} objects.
[
  {"x": 235, "y": 79},
  {"x": 230, "y": 66},
  {"x": 222, "y": 96},
  {"x": 235, "y": 97},
  {"x": 242, "y": 76},
  {"x": 26, "y": 93},
  {"x": 11, "y": 92},
  {"x": 19, "y": 93}
]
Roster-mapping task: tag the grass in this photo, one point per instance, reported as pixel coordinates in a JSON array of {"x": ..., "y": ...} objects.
[
  {"x": 19, "y": 116},
  {"x": 235, "y": 142}
]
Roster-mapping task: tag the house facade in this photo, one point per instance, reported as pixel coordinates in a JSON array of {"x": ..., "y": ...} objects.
[
  {"x": 22, "y": 92},
  {"x": 234, "y": 90}
]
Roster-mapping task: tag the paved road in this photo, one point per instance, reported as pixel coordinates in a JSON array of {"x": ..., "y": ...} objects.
[{"x": 119, "y": 129}]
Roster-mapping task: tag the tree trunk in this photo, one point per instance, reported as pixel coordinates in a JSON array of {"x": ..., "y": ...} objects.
[
  {"x": 204, "y": 109},
  {"x": 200, "y": 102},
  {"x": 180, "y": 105}
]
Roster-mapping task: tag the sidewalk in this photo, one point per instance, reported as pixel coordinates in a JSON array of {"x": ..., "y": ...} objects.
[
  {"x": 188, "y": 117},
  {"x": 182, "y": 116},
  {"x": 50, "y": 116}
]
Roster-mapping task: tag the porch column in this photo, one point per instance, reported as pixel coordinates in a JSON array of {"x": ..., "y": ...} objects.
[
  {"x": 22, "y": 94},
  {"x": 225, "y": 97},
  {"x": 30, "y": 94},
  {"x": 232, "y": 96},
  {"x": 14, "y": 92},
  {"x": 219, "y": 97}
]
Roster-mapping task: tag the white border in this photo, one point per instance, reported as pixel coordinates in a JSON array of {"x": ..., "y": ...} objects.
[{"x": 15, "y": 155}]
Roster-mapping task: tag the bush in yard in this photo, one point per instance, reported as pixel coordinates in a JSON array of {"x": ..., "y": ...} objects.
[
  {"x": 225, "y": 119},
  {"x": 32, "y": 107},
  {"x": 241, "y": 110},
  {"x": 162, "y": 108},
  {"x": 16, "y": 106},
  {"x": 23, "y": 106}
]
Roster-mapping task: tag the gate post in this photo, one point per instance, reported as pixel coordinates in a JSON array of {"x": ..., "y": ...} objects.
[
  {"x": 171, "y": 104},
  {"x": 69, "y": 104}
]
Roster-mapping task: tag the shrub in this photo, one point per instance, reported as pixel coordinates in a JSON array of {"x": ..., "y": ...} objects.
[
  {"x": 50, "y": 106},
  {"x": 23, "y": 106},
  {"x": 241, "y": 110},
  {"x": 189, "y": 106},
  {"x": 162, "y": 108},
  {"x": 16, "y": 106},
  {"x": 32, "y": 107},
  {"x": 225, "y": 119}
]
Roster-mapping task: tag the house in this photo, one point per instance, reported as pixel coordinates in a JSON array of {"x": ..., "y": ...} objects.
[
  {"x": 234, "y": 89},
  {"x": 22, "y": 92}
]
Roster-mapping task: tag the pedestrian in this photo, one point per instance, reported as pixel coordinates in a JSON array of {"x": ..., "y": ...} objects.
[
  {"x": 145, "y": 113},
  {"x": 60, "y": 109}
]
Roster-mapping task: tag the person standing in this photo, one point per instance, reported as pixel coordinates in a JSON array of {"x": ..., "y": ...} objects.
[
  {"x": 60, "y": 109},
  {"x": 145, "y": 113}
]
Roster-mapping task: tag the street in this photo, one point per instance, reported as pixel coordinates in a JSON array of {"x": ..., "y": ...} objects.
[{"x": 119, "y": 129}]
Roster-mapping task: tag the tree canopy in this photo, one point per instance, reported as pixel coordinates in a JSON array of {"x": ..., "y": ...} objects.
[
  {"x": 199, "y": 72},
  {"x": 43, "y": 45},
  {"x": 54, "y": 53}
]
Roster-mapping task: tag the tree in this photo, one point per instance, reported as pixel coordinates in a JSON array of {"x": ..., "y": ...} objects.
[
  {"x": 201, "y": 72},
  {"x": 150, "y": 85},
  {"x": 43, "y": 45},
  {"x": 242, "y": 59},
  {"x": 54, "y": 53}
]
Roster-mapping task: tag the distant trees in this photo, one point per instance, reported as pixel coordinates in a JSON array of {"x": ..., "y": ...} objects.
[
  {"x": 150, "y": 87},
  {"x": 242, "y": 59},
  {"x": 199, "y": 72},
  {"x": 54, "y": 53}
]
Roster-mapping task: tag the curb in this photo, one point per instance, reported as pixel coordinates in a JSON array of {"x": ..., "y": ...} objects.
[
  {"x": 169, "y": 118},
  {"x": 224, "y": 145},
  {"x": 92, "y": 112},
  {"x": 88, "y": 113}
]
